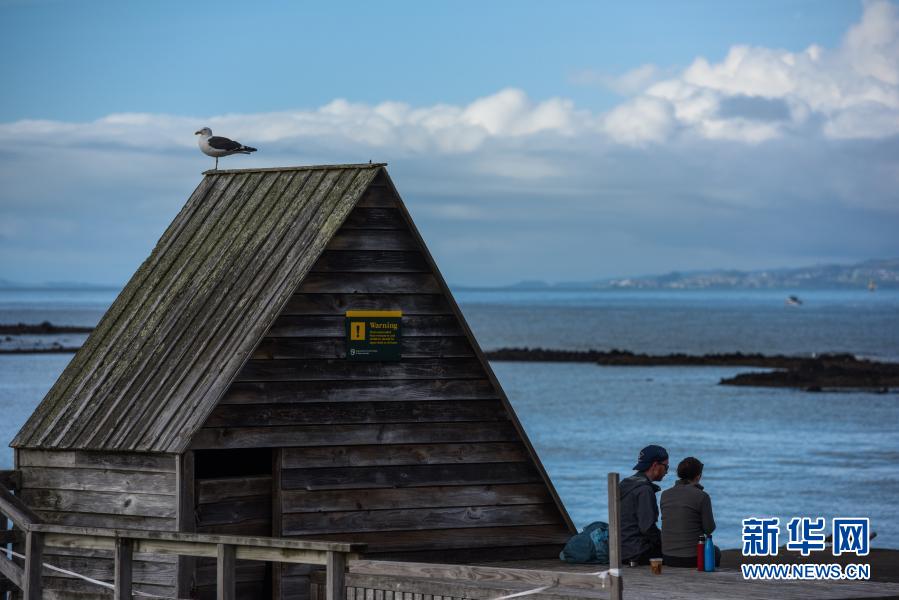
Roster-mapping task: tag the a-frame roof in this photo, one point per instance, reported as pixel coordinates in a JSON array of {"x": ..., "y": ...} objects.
[{"x": 173, "y": 340}]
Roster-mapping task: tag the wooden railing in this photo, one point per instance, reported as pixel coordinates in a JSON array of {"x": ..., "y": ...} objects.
[{"x": 125, "y": 543}]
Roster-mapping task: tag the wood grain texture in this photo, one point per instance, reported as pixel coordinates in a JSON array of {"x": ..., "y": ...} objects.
[
  {"x": 272, "y": 415},
  {"x": 341, "y": 370},
  {"x": 335, "y": 348},
  {"x": 449, "y": 539},
  {"x": 407, "y": 476},
  {"x": 339, "y": 435},
  {"x": 228, "y": 488},
  {"x": 122, "y": 461},
  {"x": 336, "y": 305},
  {"x": 369, "y": 283},
  {"x": 410, "y": 519},
  {"x": 374, "y": 218},
  {"x": 299, "y": 501},
  {"x": 106, "y": 480},
  {"x": 350, "y": 262},
  {"x": 401, "y": 454},
  {"x": 349, "y": 239},
  {"x": 113, "y": 503},
  {"x": 357, "y": 391}
]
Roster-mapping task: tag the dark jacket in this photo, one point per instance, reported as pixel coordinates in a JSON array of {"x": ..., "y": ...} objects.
[
  {"x": 639, "y": 514},
  {"x": 686, "y": 514}
]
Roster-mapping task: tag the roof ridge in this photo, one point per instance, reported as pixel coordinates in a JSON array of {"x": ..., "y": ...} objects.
[{"x": 296, "y": 168}]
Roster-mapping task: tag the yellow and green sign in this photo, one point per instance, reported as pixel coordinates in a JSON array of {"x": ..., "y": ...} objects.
[{"x": 373, "y": 334}]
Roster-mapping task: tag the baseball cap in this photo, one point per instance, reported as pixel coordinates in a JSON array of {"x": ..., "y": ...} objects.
[{"x": 649, "y": 455}]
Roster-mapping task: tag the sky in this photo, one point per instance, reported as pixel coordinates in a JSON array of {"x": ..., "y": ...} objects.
[{"x": 566, "y": 141}]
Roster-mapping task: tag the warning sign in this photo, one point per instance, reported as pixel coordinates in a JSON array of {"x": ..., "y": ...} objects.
[{"x": 373, "y": 334}]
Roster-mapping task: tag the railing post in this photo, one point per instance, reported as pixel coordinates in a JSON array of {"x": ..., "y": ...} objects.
[
  {"x": 225, "y": 571},
  {"x": 124, "y": 553},
  {"x": 615, "y": 539},
  {"x": 34, "y": 564},
  {"x": 335, "y": 576}
]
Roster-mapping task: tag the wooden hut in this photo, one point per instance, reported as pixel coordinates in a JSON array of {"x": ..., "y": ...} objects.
[{"x": 216, "y": 395}]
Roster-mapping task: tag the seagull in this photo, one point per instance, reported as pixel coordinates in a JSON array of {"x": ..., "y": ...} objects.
[{"x": 217, "y": 146}]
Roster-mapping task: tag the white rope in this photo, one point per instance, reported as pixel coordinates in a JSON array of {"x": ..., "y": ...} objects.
[
  {"x": 95, "y": 581},
  {"x": 527, "y": 593},
  {"x": 603, "y": 578}
]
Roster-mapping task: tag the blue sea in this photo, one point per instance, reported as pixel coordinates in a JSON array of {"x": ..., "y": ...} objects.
[{"x": 768, "y": 452}]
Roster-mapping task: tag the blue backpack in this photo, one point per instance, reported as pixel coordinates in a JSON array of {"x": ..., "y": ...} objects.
[{"x": 589, "y": 546}]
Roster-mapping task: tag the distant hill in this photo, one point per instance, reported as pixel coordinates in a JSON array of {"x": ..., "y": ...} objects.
[{"x": 883, "y": 272}]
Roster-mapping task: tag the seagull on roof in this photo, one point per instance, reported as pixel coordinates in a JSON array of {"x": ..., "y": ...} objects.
[{"x": 217, "y": 146}]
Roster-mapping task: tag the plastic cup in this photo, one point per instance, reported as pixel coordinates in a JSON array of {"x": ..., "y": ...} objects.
[{"x": 656, "y": 565}]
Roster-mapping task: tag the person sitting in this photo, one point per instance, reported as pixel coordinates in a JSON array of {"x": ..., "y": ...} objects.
[
  {"x": 640, "y": 536},
  {"x": 686, "y": 515}
]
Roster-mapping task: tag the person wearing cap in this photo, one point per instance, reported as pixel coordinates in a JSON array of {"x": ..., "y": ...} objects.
[
  {"x": 640, "y": 536},
  {"x": 686, "y": 515}
]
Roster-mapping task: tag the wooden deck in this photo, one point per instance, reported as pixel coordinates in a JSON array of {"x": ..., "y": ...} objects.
[
  {"x": 687, "y": 584},
  {"x": 385, "y": 580}
]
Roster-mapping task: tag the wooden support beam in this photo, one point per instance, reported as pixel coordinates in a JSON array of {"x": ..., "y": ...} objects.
[
  {"x": 615, "y": 538},
  {"x": 335, "y": 576},
  {"x": 16, "y": 510},
  {"x": 124, "y": 555},
  {"x": 11, "y": 479},
  {"x": 225, "y": 571},
  {"x": 34, "y": 557},
  {"x": 11, "y": 571}
]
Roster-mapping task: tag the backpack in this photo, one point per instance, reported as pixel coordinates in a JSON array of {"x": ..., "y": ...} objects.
[{"x": 589, "y": 546}]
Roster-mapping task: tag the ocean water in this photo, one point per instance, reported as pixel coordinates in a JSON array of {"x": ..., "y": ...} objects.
[{"x": 768, "y": 452}]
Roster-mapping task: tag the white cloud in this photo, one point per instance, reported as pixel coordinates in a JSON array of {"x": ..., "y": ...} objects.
[{"x": 755, "y": 156}]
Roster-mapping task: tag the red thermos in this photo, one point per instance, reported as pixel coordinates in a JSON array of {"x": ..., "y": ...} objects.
[{"x": 700, "y": 554}]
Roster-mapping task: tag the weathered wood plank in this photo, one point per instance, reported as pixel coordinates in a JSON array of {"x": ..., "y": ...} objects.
[
  {"x": 255, "y": 508},
  {"x": 614, "y": 497},
  {"x": 10, "y": 479},
  {"x": 448, "y": 539},
  {"x": 102, "y": 538},
  {"x": 407, "y": 476},
  {"x": 270, "y": 415},
  {"x": 335, "y": 326},
  {"x": 108, "y": 480},
  {"x": 337, "y": 435},
  {"x": 335, "y": 576},
  {"x": 12, "y": 571},
  {"x": 123, "y": 568},
  {"x": 374, "y": 218},
  {"x": 401, "y": 454},
  {"x": 114, "y": 503},
  {"x": 227, "y": 556},
  {"x": 16, "y": 510},
  {"x": 350, "y": 262},
  {"x": 107, "y": 521},
  {"x": 338, "y": 304},
  {"x": 358, "y": 391},
  {"x": 377, "y": 196},
  {"x": 186, "y": 519},
  {"x": 297, "y": 501},
  {"x": 228, "y": 488},
  {"x": 411, "y": 519},
  {"x": 260, "y": 527},
  {"x": 369, "y": 283},
  {"x": 474, "y": 555},
  {"x": 358, "y": 239},
  {"x": 123, "y": 461},
  {"x": 32, "y": 588},
  {"x": 335, "y": 347},
  {"x": 340, "y": 369}
]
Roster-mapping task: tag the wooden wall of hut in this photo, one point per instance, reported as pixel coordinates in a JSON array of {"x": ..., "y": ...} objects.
[
  {"x": 100, "y": 489},
  {"x": 418, "y": 458}
]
